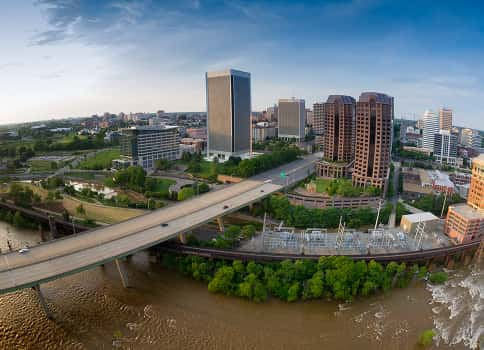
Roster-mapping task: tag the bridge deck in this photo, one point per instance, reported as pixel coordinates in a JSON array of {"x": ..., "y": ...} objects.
[{"x": 79, "y": 252}]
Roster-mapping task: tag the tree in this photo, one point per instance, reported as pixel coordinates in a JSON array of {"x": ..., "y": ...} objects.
[
  {"x": 18, "y": 220},
  {"x": 80, "y": 209},
  {"x": 185, "y": 193},
  {"x": 248, "y": 231},
  {"x": 163, "y": 164}
]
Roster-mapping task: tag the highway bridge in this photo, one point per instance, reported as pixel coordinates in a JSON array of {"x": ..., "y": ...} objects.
[{"x": 75, "y": 253}]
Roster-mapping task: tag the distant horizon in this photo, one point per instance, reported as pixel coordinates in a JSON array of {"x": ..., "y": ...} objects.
[{"x": 63, "y": 59}]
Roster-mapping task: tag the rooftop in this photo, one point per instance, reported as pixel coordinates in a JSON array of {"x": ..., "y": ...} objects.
[
  {"x": 343, "y": 98},
  {"x": 467, "y": 212},
  {"x": 378, "y": 96},
  {"x": 228, "y": 72},
  {"x": 418, "y": 217}
]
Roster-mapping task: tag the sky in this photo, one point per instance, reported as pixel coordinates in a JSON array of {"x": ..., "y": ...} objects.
[{"x": 70, "y": 58}]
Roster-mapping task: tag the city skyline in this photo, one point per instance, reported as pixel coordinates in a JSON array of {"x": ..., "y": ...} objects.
[{"x": 68, "y": 59}]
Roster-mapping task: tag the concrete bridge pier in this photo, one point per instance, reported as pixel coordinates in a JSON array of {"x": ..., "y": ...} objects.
[
  {"x": 122, "y": 273},
  {"x": 449, "y": 262},
  {"x": 182, "y": 237},
  {"x": 52, "y": 227},
  {"x": 48, "y": 313},
  {"x": 220, "y": 221}
]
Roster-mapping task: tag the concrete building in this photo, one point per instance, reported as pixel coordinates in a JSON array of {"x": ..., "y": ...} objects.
[
  {"x": 263, "y": 131},
  {"x": 465, "y": 222},
  {"x": 431, "y": 126},
  {"x": 291, "y": 120},
  {"x": 228, "y": 114},
  {"x": 197, "y": 133},
  {"x": 445, "y": 119},
  {"x": 476, "y": 191},
  {"x": 309, "y": 117},
  {"x": 445, "y": 147},
  {"x": 374, "y": 130},
  {"x": 272, "y": 113},
  {"x": 470, "y": 138},
  {"x": 409, "y": 222},
  {"x": 143, "y": 145}
]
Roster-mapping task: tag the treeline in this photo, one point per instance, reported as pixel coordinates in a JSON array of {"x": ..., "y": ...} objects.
[
  {"x": 17, "y": 219},
  {"x": 22, "y": 195},
  {"x": 279, "y": 207},
  {"x": 433, "y": 203},
  {"x": 76, "y": 144},
  {"x": 259, "y": 164},
  {"x": 335, "y": 277}
]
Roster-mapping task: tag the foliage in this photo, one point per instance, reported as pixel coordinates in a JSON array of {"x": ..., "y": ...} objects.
[
  {"x": 80, "y": 209},
  {"x": 17, "y": 219},
  {"x": 344, "y": 188},
  {"x": 163, "y": 164},
  {"x": 427, "y": 337},
  {"x": 335, "y": 277},
  {"x": 438, "y": 277},
  {"x": 133, "y": 177},
  {"x": 185, "y": 193},
  {"x": 280, "y": 208},
  {"x": 433, "y": 203},
  {"x": 22, "y": 195}
]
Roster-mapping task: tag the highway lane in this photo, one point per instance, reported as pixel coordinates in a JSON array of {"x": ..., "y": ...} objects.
[{"x": 72, "y": 254}]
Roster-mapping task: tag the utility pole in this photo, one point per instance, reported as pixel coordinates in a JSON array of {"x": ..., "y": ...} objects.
[
  {"x": 443, "y": 204},
  {"x": 378, "y": 214}
]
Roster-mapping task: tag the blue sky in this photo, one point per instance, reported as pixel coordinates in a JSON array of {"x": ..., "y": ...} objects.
[{"x": 63, "y": 58}]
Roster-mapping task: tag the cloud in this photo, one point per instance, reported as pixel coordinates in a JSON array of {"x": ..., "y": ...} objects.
[{"x": 8, "y": 65}]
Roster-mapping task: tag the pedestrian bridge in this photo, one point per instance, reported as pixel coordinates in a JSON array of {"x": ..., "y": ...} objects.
[{"x": 72, "y": 254}]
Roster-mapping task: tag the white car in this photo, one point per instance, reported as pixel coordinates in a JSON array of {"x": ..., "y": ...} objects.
[{"x": 24, "y": 250}]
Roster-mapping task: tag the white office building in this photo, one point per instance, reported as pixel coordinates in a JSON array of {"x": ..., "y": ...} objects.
[
  {"x": 431, "y": 126},
  {"x": 445, "y": 147}
]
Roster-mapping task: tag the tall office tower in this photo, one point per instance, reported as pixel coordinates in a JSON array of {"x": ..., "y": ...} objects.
[
  {"x": 445, "y": 147},
  {"x": 291, "y": 120},
  {"x": 318, "y": 119},
  {"x": 228, "y": 114},
  {"x": 339, "y": 113},
  {"x": 309, "y": 117},
  {"x": 431, "y": 126},
  {"x": 465, "y": 222},
  {"x": 445, "y": 119},
  {"x": 374, "y": 130}
]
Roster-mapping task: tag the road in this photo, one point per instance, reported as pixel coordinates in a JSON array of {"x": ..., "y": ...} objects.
[
  {"x": 79, "y": 252},
  {"x": 295, "y": 171}
]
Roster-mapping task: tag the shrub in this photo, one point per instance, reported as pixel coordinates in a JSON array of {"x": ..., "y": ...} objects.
[
  {"x": 427, "y": 337},
  {"x": 438, "y": 277}
]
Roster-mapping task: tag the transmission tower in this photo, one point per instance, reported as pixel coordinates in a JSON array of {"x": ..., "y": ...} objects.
[
  {"x": 419, "y": 233},
  {"x": 341, "y": 233}
]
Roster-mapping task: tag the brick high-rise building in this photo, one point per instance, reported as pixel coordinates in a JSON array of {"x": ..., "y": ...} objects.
[
  {"x": 339, "y": 115},
  {"x": 374, "y": 129},
  {"x": 465, "y": 222}
]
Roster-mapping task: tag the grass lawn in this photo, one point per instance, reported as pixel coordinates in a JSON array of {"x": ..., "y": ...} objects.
[
  {"x": 162, "y": 185},
  {"x": 321, "y": 184},
  {"x": 101, "y": 213},
  {"x": 102, "y": 160},
  {"x": 41, "y": 165}
]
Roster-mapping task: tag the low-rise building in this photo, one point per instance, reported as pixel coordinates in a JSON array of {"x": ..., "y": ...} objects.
[
  {"x": 409, "y": 222},
  {"x": 143, "y": 145},
  {"x": 464, "y": 223},
  {"x": 199, "y": 145},
  {"x": 263, "y": 131}
]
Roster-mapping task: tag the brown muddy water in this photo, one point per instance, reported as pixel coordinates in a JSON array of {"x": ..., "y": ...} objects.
[{"x": 165, "y": 310}]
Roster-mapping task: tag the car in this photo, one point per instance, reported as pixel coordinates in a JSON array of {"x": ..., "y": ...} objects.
[
  {"x": 24, "y": 250},
  {"x": 262, "y": 191},
  {"x": 268, "y": 181},
  {"x": 164, "y": 224},
  {"x": 226, "y": 206}
]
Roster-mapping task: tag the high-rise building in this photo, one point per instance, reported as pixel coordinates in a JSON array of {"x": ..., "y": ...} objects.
[
  {"x": 471, "y": 138},
  {"x": 143, "y": 145},
  {"x": 291, "y": 120},
  {"x": 431, "y": 126},
  {"x": 445, "y": 119},
  {"x": 445, "y": 147},
  {"x": 339, "y": 115},
  {"x": 228, "y": 113},
  {"x": 318, "y": 119},
  {"x": 339, "y": 112},
  {"x": 272, "y": 113},
  {"x": 374, "y": 130},
  {"x": 309, "y": 117},
  {"x": 465, "y": 222}
]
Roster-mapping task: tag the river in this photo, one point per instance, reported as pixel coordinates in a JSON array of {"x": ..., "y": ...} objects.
[{"x": 165, "y": 310}]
